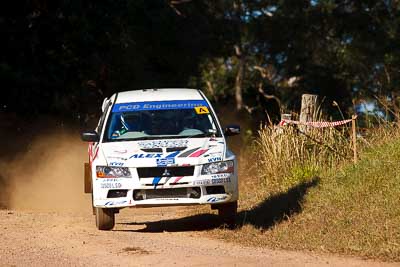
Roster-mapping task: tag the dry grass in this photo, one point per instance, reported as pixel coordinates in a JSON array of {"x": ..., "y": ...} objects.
[
  {"x": 307, "y": 194},
  {"x": 287, "y": 156}
]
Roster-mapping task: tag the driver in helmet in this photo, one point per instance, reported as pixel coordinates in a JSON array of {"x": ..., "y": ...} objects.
[{"x": 130, "y": 122}]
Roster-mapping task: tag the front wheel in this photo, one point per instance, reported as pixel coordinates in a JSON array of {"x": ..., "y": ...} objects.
[
  {"x": 105, "y": 219},
  {"x": 227, "y": 213}
]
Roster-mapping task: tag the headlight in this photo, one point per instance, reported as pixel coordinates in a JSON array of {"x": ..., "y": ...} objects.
[
  {"x": 218, "y": 167},
  {"x": 112, "y": 172}
]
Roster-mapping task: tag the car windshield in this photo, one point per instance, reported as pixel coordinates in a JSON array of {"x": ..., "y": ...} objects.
[{"x": 163, "y": 119}]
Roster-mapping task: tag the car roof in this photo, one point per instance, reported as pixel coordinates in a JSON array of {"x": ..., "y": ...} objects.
[{"x": 163, "y": 94}]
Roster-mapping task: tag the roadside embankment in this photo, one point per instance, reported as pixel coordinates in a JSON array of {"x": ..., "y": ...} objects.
[{"x": 314, "y": 199}]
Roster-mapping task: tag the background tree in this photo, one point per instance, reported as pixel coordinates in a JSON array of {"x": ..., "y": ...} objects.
[{"x": 259, "y": 55}]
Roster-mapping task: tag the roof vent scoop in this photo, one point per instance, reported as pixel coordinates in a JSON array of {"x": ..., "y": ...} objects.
[
  {"x": 172, "y": 149},
  {"x": 151, "y": 150}
]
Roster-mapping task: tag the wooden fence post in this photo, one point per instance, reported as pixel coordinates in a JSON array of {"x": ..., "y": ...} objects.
[
  {"x": 354, "y": 131},
  {"x": 308, "y": 109}
]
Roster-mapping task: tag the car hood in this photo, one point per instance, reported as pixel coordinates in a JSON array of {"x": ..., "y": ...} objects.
[{"x": 164, "y": 152}]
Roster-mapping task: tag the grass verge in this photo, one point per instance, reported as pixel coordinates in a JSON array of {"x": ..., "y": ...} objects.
[{"x": 323, "y": 204}]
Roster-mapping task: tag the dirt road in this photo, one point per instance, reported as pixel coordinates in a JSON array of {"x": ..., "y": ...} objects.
[
  {"x": 142, "y": 237},
  {"x": 48, "y": 220}
]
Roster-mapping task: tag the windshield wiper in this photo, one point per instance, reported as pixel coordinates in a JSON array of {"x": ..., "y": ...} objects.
[
  {"x": 133, "y": 139},
  {"x": 148, "y": 138},
  {"x": 198, "y": 135},
  {"x": 164, "y": 137}
]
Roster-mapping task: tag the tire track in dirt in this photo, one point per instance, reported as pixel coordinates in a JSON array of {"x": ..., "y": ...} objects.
[{"x": 65, "y": 239}]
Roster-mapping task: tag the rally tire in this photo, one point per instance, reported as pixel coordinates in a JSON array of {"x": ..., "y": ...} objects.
[
  {"x": 93, "y": 208},
  {"x": 87, "y": 178},
  {"x": 105, "y": 219},
  {"x": 227, "y": 213}
]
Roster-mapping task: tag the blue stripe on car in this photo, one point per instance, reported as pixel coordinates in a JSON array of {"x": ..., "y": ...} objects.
[
  {"x": 159, "y": 105},
  {"x": 156, "y": 180}
]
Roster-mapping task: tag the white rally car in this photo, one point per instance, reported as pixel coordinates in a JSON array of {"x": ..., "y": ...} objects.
[{"x": 160, "y": 147}]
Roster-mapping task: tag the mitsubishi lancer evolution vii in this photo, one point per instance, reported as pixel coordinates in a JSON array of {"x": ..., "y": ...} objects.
[{"x": 160, "y": 147}]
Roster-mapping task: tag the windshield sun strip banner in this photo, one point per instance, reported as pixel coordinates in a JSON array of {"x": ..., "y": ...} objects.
[{"x": 159, "y": 105}]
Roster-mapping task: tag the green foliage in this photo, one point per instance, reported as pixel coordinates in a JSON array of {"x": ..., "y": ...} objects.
[
  {"x": 300, "y": 174},
  {"x": 354, "y": 211},
  {"x": 60, "y": 50},
  {"x": 74, "y": 53},
  {"x": 337, "y": 49}
]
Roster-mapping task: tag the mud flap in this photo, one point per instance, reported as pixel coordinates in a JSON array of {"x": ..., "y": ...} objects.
[{"x": 88, "y": 179}]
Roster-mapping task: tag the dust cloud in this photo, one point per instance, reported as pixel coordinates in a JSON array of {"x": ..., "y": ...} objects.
[{"x": 48, "y": 176}]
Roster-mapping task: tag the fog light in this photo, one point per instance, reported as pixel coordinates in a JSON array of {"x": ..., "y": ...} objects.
[
  {"x": 139, "y": 195},
  {"x": 117, "y": 193},
  {"x": 219, "y": 189}
]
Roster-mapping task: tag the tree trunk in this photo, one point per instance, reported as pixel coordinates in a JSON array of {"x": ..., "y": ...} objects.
[
  {"x": 396, "y": 109},
  {"x": 210, "y": 89},
  {"x": 239, "y": 78},
  {"x": 308, "y": 109}
]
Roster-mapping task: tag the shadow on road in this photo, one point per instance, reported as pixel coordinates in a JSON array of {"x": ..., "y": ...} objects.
[
  {"x": 200, "y": 222},
  {"x": 277, "y": 208},
  {"x": 268, "y": 213}
]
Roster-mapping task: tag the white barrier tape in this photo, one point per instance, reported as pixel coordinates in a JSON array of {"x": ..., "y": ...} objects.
[{"x": 315, "y": 124}]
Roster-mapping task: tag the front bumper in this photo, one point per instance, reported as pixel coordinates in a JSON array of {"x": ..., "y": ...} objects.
[{"x": 165, "y": 191}]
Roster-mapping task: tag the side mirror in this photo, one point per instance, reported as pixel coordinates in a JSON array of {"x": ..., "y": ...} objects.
[
  {"x": 232, "y": 130},
  {"x": 90, "y": 136}
]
